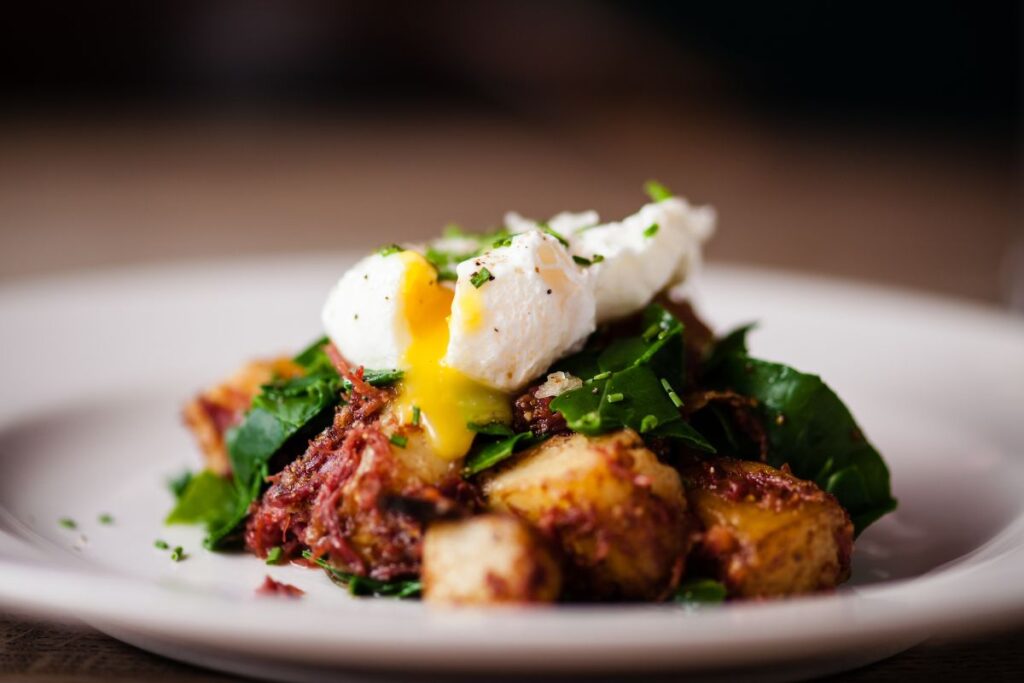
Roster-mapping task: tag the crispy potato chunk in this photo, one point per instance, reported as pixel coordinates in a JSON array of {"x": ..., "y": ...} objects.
[
  {"x": 767, "y": 533},
  {"x": 616, "y": 512},
  {"x": 488, "y": 559},
  {"x": 211, "y": 413}
]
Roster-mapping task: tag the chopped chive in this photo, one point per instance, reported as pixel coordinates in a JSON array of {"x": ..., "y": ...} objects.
[
  {"x": 160, "y": 544},
  {"x": 67, "y": 523},
  {"x": 274, "y": 555},
  {"x": 597, "y": 258},
  {"x": 178, "y": 554},
  {"x": 656, "y": 191},
  {"x": 398, "y": 440},
  {"x": 502, "y": 242},
  {"x": 581, "y": 261},
  {"x": 651, "y": 231},
  {"x": 651, "y": 332},
  {"x": 548, "y": 229},
  {"x": 446, "y": 275},
  {"x": 480, "y": 277},
  {"x": 106, "y": 518},
  {"x": 648, "y": 423},
  {"x": 601, "y": 375},
  {"x": 389, "y": 249},
  {"x": 676, "y": 401},
  {"x": 615, "y": 398},
  {"x": 416, "y": 415}
]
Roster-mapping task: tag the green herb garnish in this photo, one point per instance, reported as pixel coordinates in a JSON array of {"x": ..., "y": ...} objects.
[
  {"x": 274, "y": 555},
  {"x": 160, "y": 544},
  {"x": 672, "y": 395},
  {"x": 651, "y": 230},
  {"x": 656, "y": 191},
  {"x": 360, "y": 585},
  {"x": 416, "y": 415},
  {"x": 390, "y": 249},
  {"x": 550, "y": 231},
  {"x": 399, "y": 440},
  {"x": 106, "y": 519},
  {"x": 699, "y": 592},
  {"x": 480, "y": 277},
  {"x": 178, "y": 554},
  {"x": 625, "y": 389},
  {"x": 67, "y": 523},
  {"x": 582, "y": 261}
]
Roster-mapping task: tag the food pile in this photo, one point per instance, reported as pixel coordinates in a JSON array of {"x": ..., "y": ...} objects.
[{"x": 536, "y": 414}]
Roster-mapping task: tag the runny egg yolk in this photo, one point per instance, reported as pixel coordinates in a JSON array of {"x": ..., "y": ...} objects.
[{"x": 447, "y": 400}]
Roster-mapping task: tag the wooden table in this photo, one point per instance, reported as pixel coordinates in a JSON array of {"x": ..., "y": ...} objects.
[{"x": 893, "y": 207}]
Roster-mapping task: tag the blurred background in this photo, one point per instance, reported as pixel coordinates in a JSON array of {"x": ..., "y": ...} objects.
[{"x": 870, "y": 140}]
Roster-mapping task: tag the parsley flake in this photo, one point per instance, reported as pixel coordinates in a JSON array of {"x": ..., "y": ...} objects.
[
  {"x": 652, "y": 230},
  {"x": 160, "y": 544},
  {"x": 480, "y": 277},
  {"x": 178, "y": 554},
  {"x": 673, "y": 396},
  {"x": 67, "y": 523},
  {"x": 389, "y": 249},
  {"x": 399, "y": 440},
  {"x": 656, "y": 191},
  {"x": 106, "y": 518}
]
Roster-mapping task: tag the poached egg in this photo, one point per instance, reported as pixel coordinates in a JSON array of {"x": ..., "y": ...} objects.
[{"x": 513, "y": 310}]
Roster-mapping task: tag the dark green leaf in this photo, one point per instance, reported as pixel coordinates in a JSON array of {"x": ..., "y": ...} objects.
[
  {"x": 490, "y": 454},
  {"x": 178, "y": 484},
  {"x": 312, "y": 357},
  {"x": 361, "y": 585},
  {"x": 208, "y": 499},
  {"x": 685, "y": 434},
  {"x": 698, "y": 592},
  {"x": 491, "y": 429},
  {"x": 810, "y": 429}
]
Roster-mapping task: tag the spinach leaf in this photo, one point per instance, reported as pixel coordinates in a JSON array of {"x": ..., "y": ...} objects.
[
  {"x": 490, "y": 454},
  {"x": 699, "y": 592},
  {"x": 810, "y": 429},
  {"x": 207, "y": 498},
  {"x": 361, "y": 585},
  {"x": 633, "y": 382},
  {"x": 179, "y": 483},
  {"x": 283, "y": 417}
]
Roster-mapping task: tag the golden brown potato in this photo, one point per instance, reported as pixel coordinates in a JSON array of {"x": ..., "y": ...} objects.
[
  {"x": 618, "y": 514},
  {"x": 210, "y": 413},
  {"x": 767, "y": 533},
  {"x": 488, "y": 559}
]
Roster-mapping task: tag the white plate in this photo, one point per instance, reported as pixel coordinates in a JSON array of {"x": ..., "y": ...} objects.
[{"x": 95, "y": 368}]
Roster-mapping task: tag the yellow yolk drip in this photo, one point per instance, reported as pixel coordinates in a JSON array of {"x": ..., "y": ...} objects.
[
  {"x": 470, "y": 307},
  {"x": 447, "y": 399}
]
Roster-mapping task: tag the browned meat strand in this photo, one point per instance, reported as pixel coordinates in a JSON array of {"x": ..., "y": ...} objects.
[
  {"x": 338, "y": 498},
  {"x": 530, "y": 413}
]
